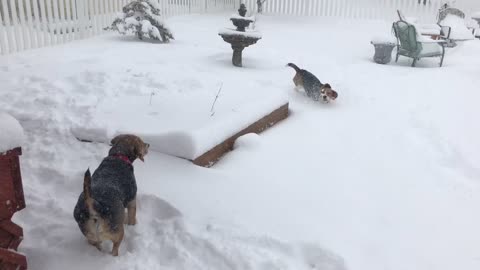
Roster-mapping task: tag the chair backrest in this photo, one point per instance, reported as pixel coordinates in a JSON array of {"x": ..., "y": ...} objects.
[
  {"x": 401, "y": 17},
  {"x": 406, "y": 35},
  {"x": 444, "y": 11}
]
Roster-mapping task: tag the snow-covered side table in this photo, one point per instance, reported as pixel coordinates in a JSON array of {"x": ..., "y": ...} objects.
[
  {"x": 11, "y": 193},
  {"x": 383, "y": 49}
]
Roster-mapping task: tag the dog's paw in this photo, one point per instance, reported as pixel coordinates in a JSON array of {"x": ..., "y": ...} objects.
[
  {"x": 131, "y": 222},
  {"x": 96, "y": 244}
]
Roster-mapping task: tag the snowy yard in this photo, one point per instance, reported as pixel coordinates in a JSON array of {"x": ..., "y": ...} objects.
[{"x": 386, "y": 177}]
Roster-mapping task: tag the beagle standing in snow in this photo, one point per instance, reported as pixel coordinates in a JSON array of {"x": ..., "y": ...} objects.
[
  {"x": 312, "y": 85},
  {"x": 100, "y": 210}
]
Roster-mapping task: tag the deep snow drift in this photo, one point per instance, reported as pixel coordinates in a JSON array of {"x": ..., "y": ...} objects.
[
  {"x": 12, "y": 135},
  {"x": 384, "y": 178}
]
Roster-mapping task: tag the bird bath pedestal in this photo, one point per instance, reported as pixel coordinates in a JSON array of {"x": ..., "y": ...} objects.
[
  {"x": 239, "y": 38},
  {"x": 239, "y": 41}
]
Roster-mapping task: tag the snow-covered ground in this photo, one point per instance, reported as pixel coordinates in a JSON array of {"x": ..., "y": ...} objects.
[{"x": 387, "y": 177}]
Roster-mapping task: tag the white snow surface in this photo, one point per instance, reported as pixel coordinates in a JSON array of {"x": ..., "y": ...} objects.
[
  {"x": 385, "y": 177},
  {"x": 476, "y": 15},
  {"x": 11, "y": 132}
]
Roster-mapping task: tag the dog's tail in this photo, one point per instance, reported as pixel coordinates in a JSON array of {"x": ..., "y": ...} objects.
[
  {"x": 89, "y": 201},
  {"x": 292, "y": 65},
  {"x": 87, "y": 190}
]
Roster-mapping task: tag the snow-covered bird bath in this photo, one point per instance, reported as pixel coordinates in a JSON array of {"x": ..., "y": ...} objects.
[{"x": 239, "y": 38}]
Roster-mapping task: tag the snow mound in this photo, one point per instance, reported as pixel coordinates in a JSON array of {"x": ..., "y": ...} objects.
[
  {"x": 11, "y": 135},
  {"x": 459, "y": 29},
  {"x": 247, "y": 141},
  {"x": 321, "y": 259},
  {"x": 163, "y": 239},
  {"x": 91, "y": 134}
]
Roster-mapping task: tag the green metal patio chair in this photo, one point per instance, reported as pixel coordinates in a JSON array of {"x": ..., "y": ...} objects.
[{"x": 410, "y": 44}]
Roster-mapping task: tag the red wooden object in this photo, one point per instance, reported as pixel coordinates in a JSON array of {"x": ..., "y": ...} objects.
[{"x": 11, "y": 201}]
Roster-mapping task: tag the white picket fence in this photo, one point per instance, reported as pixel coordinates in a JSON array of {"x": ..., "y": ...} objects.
[
  {"x": 29, "y": 24},
  {"x": 363, "y": 9}
]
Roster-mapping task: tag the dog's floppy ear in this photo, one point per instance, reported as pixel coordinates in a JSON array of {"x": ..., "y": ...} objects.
[
  {"x": 116, "y": 139},
  {"x": 334, "y": 95},
  {"x": 141, "y": 149},
  {"x": 327, "y": 85}
]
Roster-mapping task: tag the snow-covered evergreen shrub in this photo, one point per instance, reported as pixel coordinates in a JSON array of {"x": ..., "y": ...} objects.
[{"x": 142, "y": 18}]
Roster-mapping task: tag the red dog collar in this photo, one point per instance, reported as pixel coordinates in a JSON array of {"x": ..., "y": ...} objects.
[{"x": 124, "y": 158}]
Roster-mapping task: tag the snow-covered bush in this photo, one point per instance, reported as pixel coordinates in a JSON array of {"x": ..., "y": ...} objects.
[{"x": 142, "y": 18}]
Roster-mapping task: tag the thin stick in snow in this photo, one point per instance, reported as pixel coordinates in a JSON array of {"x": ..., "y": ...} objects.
[{"x": 215, "y": 101}]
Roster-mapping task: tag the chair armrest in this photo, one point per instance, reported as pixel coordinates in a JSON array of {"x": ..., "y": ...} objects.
[
  {"x": 472, "y": 29},
  {"x": 433, "y": 41},
  {"x": 445, "y": 31}
]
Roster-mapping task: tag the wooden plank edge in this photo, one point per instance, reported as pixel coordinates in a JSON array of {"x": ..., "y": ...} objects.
[{"x": 209, "y": 158}]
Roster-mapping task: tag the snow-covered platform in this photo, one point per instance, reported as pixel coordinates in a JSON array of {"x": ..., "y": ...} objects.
[{"x": 183, "y": 126}]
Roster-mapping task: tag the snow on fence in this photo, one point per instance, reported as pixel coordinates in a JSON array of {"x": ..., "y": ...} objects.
[
  {"x": 29, "y": 24},
  {"x": 424, "y": 10}
]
